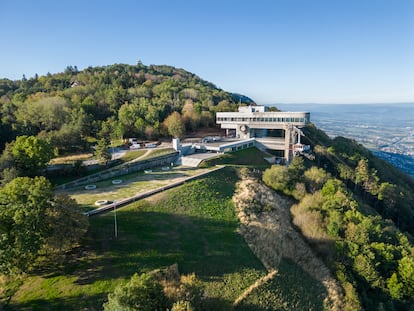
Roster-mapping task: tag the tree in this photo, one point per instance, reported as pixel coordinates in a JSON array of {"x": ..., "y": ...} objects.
[
  {"x": 33, "y": 219},
  {"x": 65, "y": 224},
  {"x": 29, "y": 154},
  {"x": 395, "y": 287},
  {"x": 315, "y": 178},
  {"x": 388, "y": 193},
  {"x": 406, "y": 273},
  {"x": 140, "y": 293},
  {"x": 278, "y": 178},
  {"x": 191, "y": 290},
  {"x": 175, "y": 125},
  {"x": 42, "y": 113},
  {"x": 182, "y": 306},
  {"x": 346, "y": 173},
  {"x": 23, "y": 204},
  {"x": 296, "y": 167},
  {"x": 102, "y": 151}
]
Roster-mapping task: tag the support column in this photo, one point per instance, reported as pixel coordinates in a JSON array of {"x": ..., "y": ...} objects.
[{"x": 288, "y": 151}]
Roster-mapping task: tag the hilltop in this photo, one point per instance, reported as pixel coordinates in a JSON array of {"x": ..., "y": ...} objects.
[{"x": 72, "y": 107}]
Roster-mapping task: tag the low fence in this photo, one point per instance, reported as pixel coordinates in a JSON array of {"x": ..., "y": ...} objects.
[
  {"x": 123, "y": 202},
  {"x": 122, "y": 169}
]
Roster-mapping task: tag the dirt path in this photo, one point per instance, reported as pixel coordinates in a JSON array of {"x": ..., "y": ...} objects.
[
  {"x": 142, "y": 156},
  {"x": 266, "y": 227},
  {"x": 255, "y": 285}
]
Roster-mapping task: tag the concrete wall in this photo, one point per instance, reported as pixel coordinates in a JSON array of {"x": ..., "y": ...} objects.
[{"x": 122, "y": 170}]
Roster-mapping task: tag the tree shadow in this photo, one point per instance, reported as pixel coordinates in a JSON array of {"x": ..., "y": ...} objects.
[
  {"x": 75, "y": 303},
  {"x": 146, "y": 241},
  {"x": 149, "y": 240},
  {"x": 291, "y": 289}
]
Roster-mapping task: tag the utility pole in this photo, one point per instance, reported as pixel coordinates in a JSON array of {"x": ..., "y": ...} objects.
[{"x": 115, "y": 223}]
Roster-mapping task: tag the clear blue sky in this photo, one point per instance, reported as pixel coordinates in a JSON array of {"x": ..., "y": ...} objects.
[{"x": 276, "y": 51}]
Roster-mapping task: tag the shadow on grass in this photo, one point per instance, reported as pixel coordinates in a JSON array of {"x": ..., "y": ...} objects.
[
  {"x": 291, "y": 289},
  {"x": 193, "y": 226},
  {"x": 149, "y": 240},
  {"x": 75, "y": 303}
]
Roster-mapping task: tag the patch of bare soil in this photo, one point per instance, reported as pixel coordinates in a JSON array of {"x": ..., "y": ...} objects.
[{"x": 267, "y": 228}]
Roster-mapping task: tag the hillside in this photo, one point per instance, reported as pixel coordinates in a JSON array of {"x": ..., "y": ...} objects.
[
  {"x": 72, "y": 107},
  {"x": 356, "y": 211},
  {"x": 332, "y": 233}
]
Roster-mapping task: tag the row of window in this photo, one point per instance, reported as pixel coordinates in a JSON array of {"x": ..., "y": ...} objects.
[
  {"x": 244, "y": 146},
  {"x": 275, "y": 120}
]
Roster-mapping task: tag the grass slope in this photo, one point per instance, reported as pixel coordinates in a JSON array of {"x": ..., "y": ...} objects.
[
  {"x": 291, "y": 289},
  {"x": 194, "y": 226}
]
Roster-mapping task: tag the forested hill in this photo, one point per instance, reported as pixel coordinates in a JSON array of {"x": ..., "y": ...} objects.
[
  {"x": 357, "y": 213},
  {"x": 117, "y": 100}
]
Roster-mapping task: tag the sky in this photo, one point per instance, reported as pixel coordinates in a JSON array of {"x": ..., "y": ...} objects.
[{"x": 274, "y": 51}]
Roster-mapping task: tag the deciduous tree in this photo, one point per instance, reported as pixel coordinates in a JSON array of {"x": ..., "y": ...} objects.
[
  {"x": 33, "y": 219},
  {"x": 175, "y": 125},
  {"x": 29, "y": 154}
]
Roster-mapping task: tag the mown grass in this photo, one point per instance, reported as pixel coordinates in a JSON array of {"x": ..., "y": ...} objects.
[
  {"x": 66, "y": 177},
  {"x": 131, "y": 185},
  {"x": 194, "y": 225},
  {"x": 158, "y": 152},
  {"x": 247, "y": 157},
  {"x": 132, "y": 155}
]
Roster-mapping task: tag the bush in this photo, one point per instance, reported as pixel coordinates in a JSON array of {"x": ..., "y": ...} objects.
[
  {"x": 182, "y": 306},
  {"x": 142, "y": 293}
]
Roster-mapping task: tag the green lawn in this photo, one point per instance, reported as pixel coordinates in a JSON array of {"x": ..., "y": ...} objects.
[
  {"x": 132, "y": 154},
  {"x": 193, "y": 225},
  {"x": 131, "y": 185}
]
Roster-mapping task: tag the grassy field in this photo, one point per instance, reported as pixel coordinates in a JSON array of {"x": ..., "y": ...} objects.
[
  {"x": 193, "y": 225},
  {"x": 291, "y": 289},
  {"x": 131, "y": 185}
]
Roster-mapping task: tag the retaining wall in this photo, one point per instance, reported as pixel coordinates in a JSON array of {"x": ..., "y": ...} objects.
[
  {"x": 122, "y": 169},
  {"x": 123, "y": 202}
]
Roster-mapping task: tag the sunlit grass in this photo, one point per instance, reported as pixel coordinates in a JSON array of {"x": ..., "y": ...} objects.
[
  {"x": 194, "y": 225},
  {"x": 131, "y": 185}
]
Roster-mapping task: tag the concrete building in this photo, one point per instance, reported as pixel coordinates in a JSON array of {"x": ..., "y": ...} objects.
[{"x": 277, "y": 132}]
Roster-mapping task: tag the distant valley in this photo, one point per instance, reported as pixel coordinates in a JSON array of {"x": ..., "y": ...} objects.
[{"x": 387, "y": 130}]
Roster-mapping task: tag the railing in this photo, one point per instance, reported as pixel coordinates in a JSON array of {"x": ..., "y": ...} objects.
[{"x": 146, "y": 194}]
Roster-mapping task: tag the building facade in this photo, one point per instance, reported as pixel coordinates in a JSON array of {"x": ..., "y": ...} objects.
[{"x": 277, "y": 132}]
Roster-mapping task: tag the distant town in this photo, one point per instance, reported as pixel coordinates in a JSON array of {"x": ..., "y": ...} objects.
[{"x": 387, "y": 130}]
